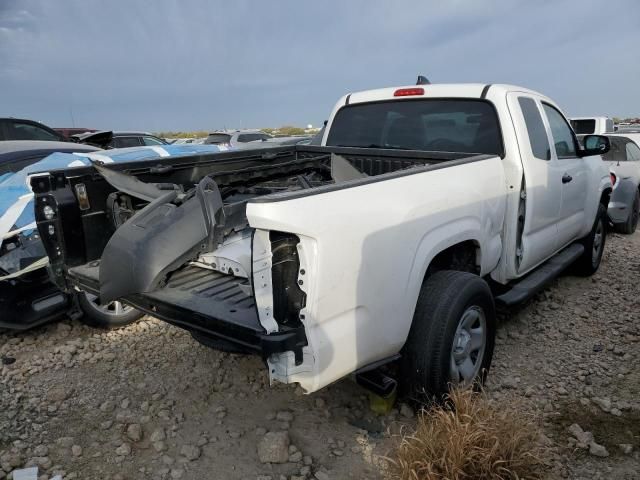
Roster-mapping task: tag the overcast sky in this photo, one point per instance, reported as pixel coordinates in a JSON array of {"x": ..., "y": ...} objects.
[{"x": 205, "y": 64}]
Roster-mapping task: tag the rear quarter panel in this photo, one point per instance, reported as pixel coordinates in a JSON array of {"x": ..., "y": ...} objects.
[{"x": 367, "y": 249}]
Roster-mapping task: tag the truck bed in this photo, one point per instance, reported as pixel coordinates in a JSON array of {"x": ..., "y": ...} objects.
[
  {"x": 148, "y": 256},
  {"x": 213, "y": 303}
]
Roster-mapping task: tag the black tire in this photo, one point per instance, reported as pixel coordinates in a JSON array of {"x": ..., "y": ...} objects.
[
  {"x": 99, "y": 316},
  {"x": 218, "y": 343},
  {"x": 594, "y": 243},
  {"x": 445, "y": 299},
  {"x": 631, "y": 224}
]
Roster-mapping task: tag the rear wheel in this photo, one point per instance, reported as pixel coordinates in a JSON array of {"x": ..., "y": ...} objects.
[
  {"x": 589, "y": 261},
  {"x": 111, "y": 315},
  {"x": 631, "y": 224},
  {"x": 451, "y": 338}
]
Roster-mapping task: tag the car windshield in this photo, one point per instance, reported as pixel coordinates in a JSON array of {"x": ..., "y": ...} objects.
[
  {"x": 451, "y": 125},
  {"x": 217, "y": 138}
]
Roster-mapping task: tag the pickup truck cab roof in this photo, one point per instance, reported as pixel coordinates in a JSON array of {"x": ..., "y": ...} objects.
[
  {"x": 440, "y": 90},
  {"x": 491, "y": 93}
]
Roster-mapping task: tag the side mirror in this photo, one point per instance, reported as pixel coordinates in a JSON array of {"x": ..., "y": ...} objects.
[{"x": 595, "y": 145}]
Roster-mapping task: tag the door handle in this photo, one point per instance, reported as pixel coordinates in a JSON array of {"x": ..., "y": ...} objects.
[{"x": 566, "y": 178}]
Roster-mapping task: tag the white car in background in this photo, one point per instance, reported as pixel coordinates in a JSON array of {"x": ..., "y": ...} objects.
[
  {"x": 251, "y": 139},
  {"x": 591, "y": 125}
]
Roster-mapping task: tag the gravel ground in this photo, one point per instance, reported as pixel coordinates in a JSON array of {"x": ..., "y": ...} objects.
[
  {"x": 572, "y": 357},
  {"x": 149, "y": 402}
]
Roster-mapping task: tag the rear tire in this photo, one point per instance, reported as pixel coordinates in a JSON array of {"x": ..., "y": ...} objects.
[
  {"x": 631, "y": 224},
  {"x": 451, "y": 338},
  {"x": 589, "y": 261},
  {"x": 113, "y": 315}
]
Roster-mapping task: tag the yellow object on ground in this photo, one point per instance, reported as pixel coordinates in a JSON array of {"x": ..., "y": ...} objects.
[{"x": 382, "y": 405}]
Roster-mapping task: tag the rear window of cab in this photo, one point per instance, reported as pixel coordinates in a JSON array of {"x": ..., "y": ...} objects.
[{"x": 445, "y": 125}]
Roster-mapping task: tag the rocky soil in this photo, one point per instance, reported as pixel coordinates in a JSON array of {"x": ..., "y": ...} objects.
[
  {"x": 149, "y": 402},
  {"x": 571, "y": 357}
]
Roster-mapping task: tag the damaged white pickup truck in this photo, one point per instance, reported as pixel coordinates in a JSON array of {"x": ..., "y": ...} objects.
[{"x": 379, "y": 253}]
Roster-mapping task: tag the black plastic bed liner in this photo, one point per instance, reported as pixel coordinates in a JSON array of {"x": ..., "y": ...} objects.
[{"x": 204, "y": 300}]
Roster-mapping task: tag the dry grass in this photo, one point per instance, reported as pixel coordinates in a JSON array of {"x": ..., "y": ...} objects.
[{"x": 469, "y": 438}]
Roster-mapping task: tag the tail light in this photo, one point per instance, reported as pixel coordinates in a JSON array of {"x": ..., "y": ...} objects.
[
  {"x": 613, "y": 178},
  {"x": 407, "y": 92}
]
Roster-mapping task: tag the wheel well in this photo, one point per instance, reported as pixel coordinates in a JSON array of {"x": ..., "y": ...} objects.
[{"x": 463, "y": 257}]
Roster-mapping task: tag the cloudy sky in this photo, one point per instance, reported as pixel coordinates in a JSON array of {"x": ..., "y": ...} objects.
[{"x": 205, "y": 64}]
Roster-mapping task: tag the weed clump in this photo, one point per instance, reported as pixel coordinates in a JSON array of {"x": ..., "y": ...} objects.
[{"x": 467, "y": 437}]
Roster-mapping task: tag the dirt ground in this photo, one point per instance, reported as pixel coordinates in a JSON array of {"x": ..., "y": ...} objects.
[{"x": 149, "y": 402}]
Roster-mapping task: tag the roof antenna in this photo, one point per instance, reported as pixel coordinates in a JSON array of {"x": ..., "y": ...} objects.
[{"x": 422, "y": 80}]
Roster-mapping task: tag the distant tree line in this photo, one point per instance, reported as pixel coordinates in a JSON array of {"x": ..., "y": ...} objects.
[
  {"x": 284, "y": 131},
  {"x": 626, "y": 120},
  {"x": 195, "y": 134}
]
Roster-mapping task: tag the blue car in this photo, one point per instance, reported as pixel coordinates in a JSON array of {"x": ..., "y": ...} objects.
[{"x": 27, "y": 297}]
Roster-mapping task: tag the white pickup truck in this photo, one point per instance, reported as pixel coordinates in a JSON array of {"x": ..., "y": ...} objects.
[{"x": 379, "y": 253}]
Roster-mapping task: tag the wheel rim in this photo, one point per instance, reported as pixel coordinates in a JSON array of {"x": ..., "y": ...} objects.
[
  {"x": 469, "y": 343},
  {"x": 114, "y": 308},
  {"x": 598, "y": 239}
]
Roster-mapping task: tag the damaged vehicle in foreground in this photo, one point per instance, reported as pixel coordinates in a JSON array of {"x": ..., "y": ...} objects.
[
  {"x": 380, "y": 253},
  {"x": 27, "y": 296}
]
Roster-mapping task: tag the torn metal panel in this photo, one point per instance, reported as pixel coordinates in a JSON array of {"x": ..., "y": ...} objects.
[
  {"x": 262, "y": 282},
  {"x": 233, "y": 257},
  {"x": 41, "y": 263},
  {"x": 9, "y": 218},
  {"x": 129, "y": 184}
]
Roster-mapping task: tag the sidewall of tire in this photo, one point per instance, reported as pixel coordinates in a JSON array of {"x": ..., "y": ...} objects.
[
  {"x": 445, "y": 297},
  {"x": 584, "y": 265}
]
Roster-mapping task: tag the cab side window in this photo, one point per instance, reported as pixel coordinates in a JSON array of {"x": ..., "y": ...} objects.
[
  {"x": 563, "y": 138},
  {"x": 535, "y": 128}
]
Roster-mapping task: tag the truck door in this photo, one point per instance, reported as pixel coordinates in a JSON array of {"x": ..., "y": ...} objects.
[
  {"x": 574, "y": 177},
  {"x": 542, "y": 186}
]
